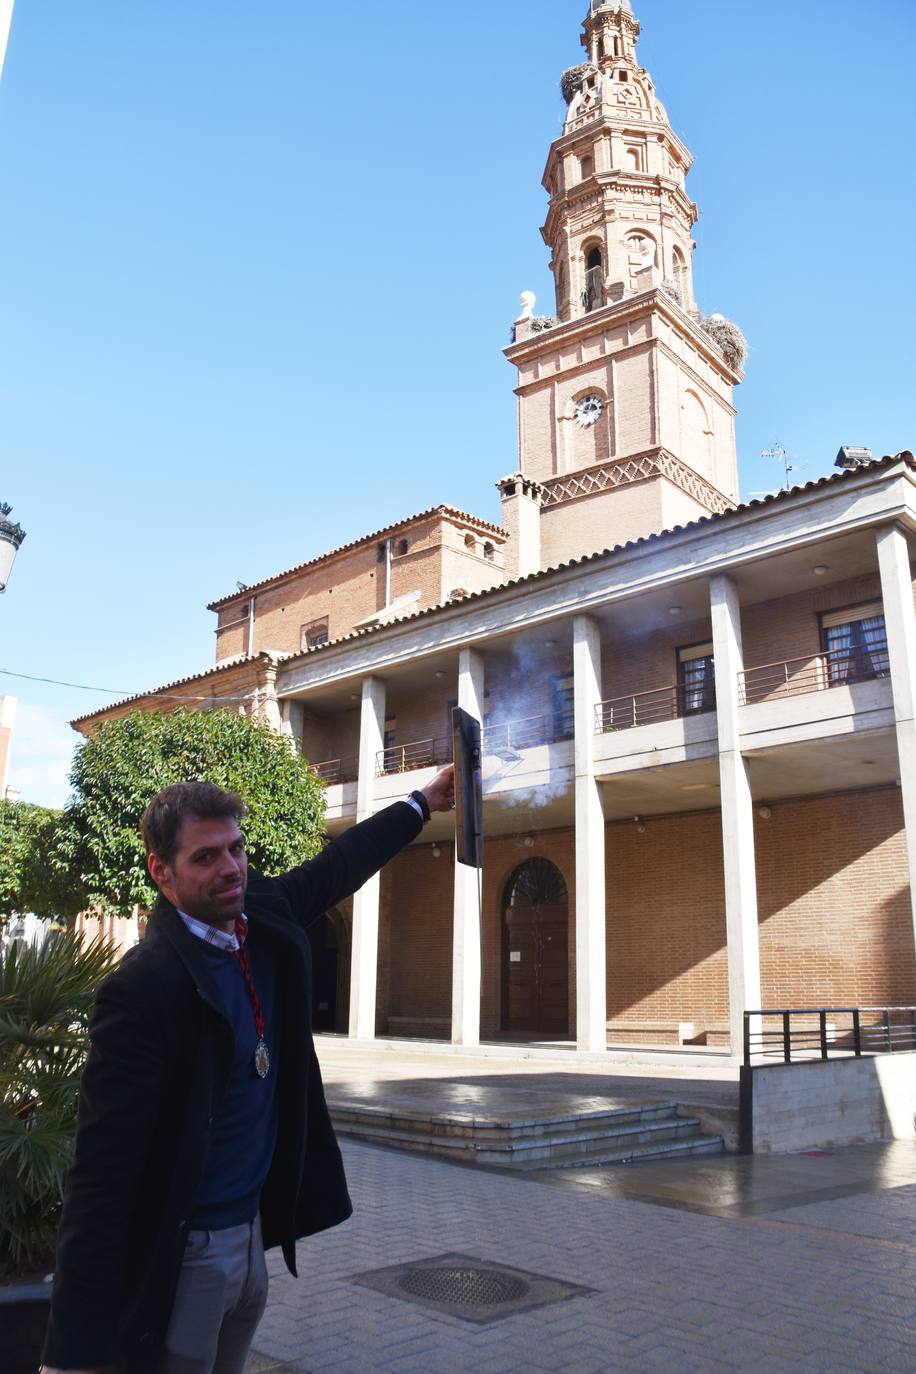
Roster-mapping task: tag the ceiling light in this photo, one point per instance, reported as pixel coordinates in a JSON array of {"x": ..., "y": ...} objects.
[
  {"x": 437, "y": 852},
  {"x": 440, "y": 672},
  {"x": 764, "y": 812},
  {"x": 550, "y": 643},
  {"x": 820, "y": 569},
  {"x": 675, "y": 610}
]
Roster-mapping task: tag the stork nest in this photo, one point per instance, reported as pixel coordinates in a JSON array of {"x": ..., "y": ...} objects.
[
  {"x": 541, "y": 322},
  {"x": 729, "y": 339},
  {"x": 571, "y": 80}
]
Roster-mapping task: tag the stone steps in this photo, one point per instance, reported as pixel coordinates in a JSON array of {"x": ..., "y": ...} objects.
[{"x": 616, "y": 1135}]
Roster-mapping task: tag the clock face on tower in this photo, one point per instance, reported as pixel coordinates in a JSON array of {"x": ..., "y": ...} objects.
[{"x": 589, "y": 410}]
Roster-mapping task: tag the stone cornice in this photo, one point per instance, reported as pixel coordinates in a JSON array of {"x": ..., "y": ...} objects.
[
  {"x": 600, "y": 188},
  {"x": 625, "y": 471},
  {"x": 620, "y": 312}
]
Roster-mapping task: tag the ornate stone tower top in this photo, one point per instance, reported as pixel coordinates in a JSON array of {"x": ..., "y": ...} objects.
[
  {"x": 618, "y": 160},
  {"x": 626, "y": 423}
]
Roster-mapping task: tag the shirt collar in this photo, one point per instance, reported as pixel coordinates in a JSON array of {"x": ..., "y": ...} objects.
[{"x": 209, "y": 934}]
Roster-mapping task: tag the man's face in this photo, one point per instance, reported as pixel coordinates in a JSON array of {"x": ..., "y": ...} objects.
[{"x": 207, "y": 876}]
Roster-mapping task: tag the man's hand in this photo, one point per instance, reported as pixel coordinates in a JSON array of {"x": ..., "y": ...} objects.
[{"x": 440, "y": 793}]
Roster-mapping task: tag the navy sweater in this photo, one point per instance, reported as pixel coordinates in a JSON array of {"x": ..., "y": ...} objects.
[{"x": 244, "y": 1130}]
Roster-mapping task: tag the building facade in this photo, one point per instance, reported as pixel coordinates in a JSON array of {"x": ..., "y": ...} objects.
[{"x": 700, "y": 793}]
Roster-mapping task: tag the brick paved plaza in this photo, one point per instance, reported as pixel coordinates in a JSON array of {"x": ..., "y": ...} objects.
[{"x": 806, "y": 1263}]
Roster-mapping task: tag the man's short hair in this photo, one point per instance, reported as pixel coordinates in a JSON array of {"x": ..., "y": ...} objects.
[{"x": 161, "y": 821}]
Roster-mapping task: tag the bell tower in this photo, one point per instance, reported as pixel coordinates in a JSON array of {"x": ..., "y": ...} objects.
[{"x": 626, "y": 422}]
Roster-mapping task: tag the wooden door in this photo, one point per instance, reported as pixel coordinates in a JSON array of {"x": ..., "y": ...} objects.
[{"x": 536, "y": 951}]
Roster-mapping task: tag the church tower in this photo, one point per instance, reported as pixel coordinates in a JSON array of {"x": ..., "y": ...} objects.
[{"x": 626, "y": 422}]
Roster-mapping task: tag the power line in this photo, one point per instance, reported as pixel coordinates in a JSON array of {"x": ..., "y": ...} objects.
[{"x": 117, "y": 692}]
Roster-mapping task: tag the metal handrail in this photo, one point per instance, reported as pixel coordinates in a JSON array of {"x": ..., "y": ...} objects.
[
  {"x": 813, "y": 673},
  {"x": 823, "y": 1039},
  {"x": 526, "y": 733},
  {"x": 334, "y": 771},
  {"x": 651, "y": 707},
  {"x": 421, "y": 753}
]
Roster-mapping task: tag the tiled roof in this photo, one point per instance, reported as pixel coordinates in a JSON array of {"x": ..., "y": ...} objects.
[
  {"x": 238, "y": 661},
  {"x": 447, "y": 510},
  {"x": 779, "y": 497}
]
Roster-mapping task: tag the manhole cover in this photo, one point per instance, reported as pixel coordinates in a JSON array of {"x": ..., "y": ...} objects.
[{"x": 469, "y": 1287}]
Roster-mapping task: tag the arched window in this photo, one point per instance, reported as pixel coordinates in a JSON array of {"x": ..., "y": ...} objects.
[
  {"x": 586, "y": 167},
  {"x": 679, "y": 274},
  {"x": 488, "y": 552},
  {"x": 634, "y": 159},
  {"x": 470, "y": 542},
  {"x": 401, "y": 548},
  {"x": 593, "y": 295},
  {"x": 538, "y": 882}
]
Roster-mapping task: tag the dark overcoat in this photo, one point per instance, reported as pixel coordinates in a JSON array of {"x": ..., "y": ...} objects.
[{"x": 161, "y": 1050}]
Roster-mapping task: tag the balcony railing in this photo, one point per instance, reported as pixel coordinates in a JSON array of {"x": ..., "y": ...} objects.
[
  {"x": 512, "y": 735},
  {"x": 649, "y": 708},
  {"x": 798, "y": 676},
  {"x": 421, "y": 753},
  {"x": 337, "y": 770},
  {"x": 505, "y": 738}
]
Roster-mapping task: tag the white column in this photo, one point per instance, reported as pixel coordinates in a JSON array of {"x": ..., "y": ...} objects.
[
  {"x": 466, "y": 958},
  {"x": 591, "y": 901},
  {"x": 737, "y": 814},
  {"x": 900, "y": 622},
  {"x": 364, "y": 959}
]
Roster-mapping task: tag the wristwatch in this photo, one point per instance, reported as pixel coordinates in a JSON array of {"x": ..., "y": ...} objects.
[{"x": 420, "y": 800}]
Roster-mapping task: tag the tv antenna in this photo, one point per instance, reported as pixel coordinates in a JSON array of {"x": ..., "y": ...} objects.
[{"x": 781, "y": 454}]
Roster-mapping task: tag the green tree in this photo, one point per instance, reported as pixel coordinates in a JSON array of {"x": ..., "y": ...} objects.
[
  {"x": 30, "y": 880},
  {"x": 126, "y": 761}
]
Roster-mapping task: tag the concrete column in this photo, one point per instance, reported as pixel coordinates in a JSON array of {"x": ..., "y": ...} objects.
[
  {"x": 268, "y": 704},
  {"x": 292, "y": 718},
  {"x": 900, "y": 621},
  {"x": 466, "y": 957},
  {"x": 737, "y": 814},
  {"x": 364, "y": 958},
  {"x": 591, "y": 901}
]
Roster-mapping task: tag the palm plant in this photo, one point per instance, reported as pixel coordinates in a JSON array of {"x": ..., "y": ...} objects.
[{"x": 46, "y": 993}]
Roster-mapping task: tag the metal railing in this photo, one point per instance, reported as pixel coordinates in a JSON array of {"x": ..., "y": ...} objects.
[
  {"x": 420, "y": 753},
  {"x": 333, "y": 771},
  {"x": 813, "y": 673},
  {"x": 505, "y": 738},
  {"x": 649, "y": 708},
  {"x": 527, "y": 733},
  {"x": 792, "y": 1035}
]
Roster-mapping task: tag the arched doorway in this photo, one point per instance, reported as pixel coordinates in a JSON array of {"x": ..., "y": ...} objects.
[
  {"x": 330, "y": 944},
  {"x": 536, "y": 950}
]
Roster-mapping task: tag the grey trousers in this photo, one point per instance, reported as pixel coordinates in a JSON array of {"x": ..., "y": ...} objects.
[{"x": 222, "y": 1293}]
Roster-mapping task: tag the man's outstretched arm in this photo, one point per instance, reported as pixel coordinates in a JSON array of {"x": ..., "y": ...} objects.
[{"x": 350, "y": 860}]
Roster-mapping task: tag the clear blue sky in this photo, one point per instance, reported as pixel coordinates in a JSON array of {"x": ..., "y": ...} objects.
[{"x": 257, "y": 264}]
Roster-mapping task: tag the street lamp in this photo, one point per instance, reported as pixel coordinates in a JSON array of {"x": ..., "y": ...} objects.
[{"x": 11, "y": 536}]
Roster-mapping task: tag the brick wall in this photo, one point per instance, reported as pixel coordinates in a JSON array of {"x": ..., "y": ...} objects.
[
  {"x": 835, "y": 922},
  {"x": 349, "y": 586},
  {"x": 834, "y": 902}
]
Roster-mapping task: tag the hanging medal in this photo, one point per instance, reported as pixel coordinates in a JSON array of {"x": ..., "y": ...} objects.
[
  {"x": 262, "y": 1058},
  {"x": 261, "y": 1052}
]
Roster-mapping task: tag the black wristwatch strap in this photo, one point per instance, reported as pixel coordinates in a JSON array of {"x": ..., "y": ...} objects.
[{"x": 423, "y": 804}]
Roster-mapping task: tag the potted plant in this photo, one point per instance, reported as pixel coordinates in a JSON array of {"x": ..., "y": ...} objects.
[{"x": 46, "y": 992}]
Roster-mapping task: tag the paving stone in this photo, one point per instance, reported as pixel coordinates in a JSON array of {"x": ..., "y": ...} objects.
[{"x": 815, "y": 1290}]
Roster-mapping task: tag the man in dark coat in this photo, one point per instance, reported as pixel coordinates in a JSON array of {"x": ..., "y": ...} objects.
[{"x": 203, "y": 1133}]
